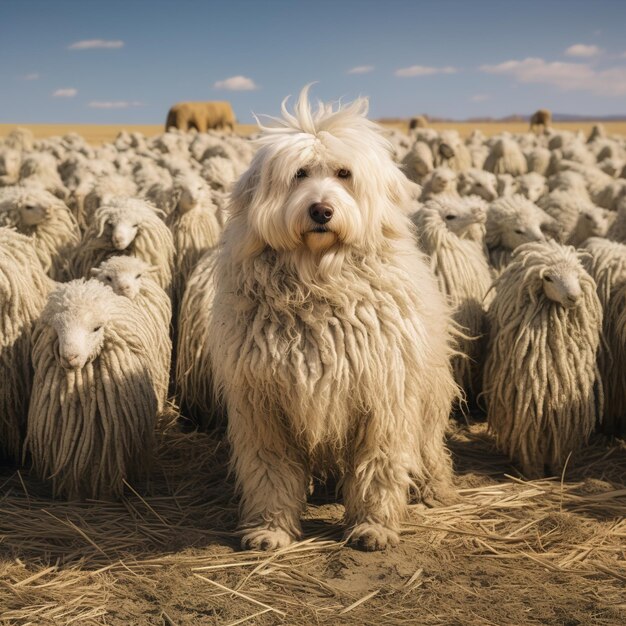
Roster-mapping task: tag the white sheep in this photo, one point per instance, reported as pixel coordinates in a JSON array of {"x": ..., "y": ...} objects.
[
  {"x": 441, "y": 181},
  {"x": 606, "y": 262},
  {"x": 506, "y": 157},
  {"x": 513, "y": 221},
  {"x": 49, "y": 224},
  {"x": 193, "y": 359},
  {"x": 541, "y": 382},
  {"x": 23, "y": 291},
  {"x": 39, "y": 169},
  {"x": 532, "y": 185},
  {"x": 462, "y": 272},
  {"x": 195, "y": 227},
  {"x": 475, "y": 182},
  {"x": 450, "y": 151},
  {"x": 127, "y": 226},
  {"x": 220, "y": 172},
  {"x": 592, "y": 222},
  {"x": 10, "y": 161},
  {"x": 133, "y": 278},
  {"x": 418, "y": 162},
  {"x": 94, "y": 402}
]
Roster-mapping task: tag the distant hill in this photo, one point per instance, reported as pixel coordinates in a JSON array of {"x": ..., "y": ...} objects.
[{"x": 557, "y": 117}]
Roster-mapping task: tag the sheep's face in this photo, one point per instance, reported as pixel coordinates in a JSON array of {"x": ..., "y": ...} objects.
[
  {"x": 442, "y": 180},
  {"x": 518, "y": 232},
  {"x": 595, "y": 222},
  {"x": 190, "y": 195},
  {"x": 561, "y": 284},
  {"x": 125, "y": 275},
  {"x": 9, "y": 163},
  {"x": 485, "y": 188},
  {"x": 533, "y": 187},
  {"x": 80, "y": 335},
  {"x": 33, "y": 212},
  {"x": 123, "y": 231},
  {"x": 458, "y": 217}
]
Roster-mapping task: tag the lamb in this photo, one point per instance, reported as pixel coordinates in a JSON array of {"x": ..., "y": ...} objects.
[
  {"x": 462, "y": 272},
  {"x": 592, "y": 222},
  {"x": 532, "y": 185},
  {"x": 538, "y": 160},
  {"x": 132, "y": 278},
  {"x": 49, "y": 224},
  {"x": 475, "y": 182},
  {"x": 94, "y": 404},
  {"x": 10, "y": 161},
  {"x": 40, "y": 170},
  {"x": 418, "y": 162},
  {"x": 128, "y": 226},
  {"x": 541, "y": 382},
  {"x": 451, "y": 152},
  {"x": 103, "y": 189},
  {"x": 513, "y": 221},
  {"x": 441, "y": 181},
  {"x": 506, "y": 157},
  {"x": 220, "y": 172},
  {"x": 23, "y": 291},
  {"x": 606, "y": 262},
  {"x": 195, "y": 227}
]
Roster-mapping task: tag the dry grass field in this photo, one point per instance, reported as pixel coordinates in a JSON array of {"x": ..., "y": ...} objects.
[
  {"x": 510, "y": 553},
  {"x": 102, "y": 133}
]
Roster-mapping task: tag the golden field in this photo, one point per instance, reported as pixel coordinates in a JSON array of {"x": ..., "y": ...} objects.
[{"x": 100, "y": 133}]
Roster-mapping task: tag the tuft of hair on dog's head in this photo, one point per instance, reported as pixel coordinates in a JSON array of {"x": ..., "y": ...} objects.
[{"x": 321, "y": 186}]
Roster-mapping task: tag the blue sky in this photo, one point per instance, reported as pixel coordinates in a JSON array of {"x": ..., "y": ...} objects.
[{"x": 88, "y": 61}]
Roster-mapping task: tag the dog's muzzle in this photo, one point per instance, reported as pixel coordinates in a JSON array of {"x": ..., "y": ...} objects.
[{"x": 321, "y": 213}]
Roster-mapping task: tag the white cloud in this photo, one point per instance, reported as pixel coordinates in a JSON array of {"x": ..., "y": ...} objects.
[
  {"x": 565, "y": 76},
  {"x": 236, "y": 83},
  {"x": 89, "y": 44},
  {"x": 31, "y": 76},
  {"x": 69, "y": 92},
  {"x": 114, "y": 104},
  {"x": 361, "y": 69},
  {"x": 479, "y": 97},
  {"x": 582, "y": 50},
  {"x": 422, "y": 70}
]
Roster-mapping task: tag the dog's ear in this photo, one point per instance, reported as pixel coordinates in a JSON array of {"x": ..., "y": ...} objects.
[{"x": 245, "y": 242}]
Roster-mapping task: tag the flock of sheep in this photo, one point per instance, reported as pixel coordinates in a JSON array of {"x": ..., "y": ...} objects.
[{"x": 105, "y": 288}]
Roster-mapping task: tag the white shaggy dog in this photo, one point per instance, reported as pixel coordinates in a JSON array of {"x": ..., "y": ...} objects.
[{"x": 329, "y": 338}]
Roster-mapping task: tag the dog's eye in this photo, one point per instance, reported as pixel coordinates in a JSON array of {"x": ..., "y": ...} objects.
[
  {"x": 547, "y": 279},
  {"x": 450, "y": 217},
  {"x": 301, "y": 174},
  {"x": 344, "y": 174}
]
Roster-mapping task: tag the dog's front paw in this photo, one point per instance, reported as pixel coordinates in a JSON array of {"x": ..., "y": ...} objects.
[
  {"x": 372, "y": 537},
  {"x": 266, "y": 539}
]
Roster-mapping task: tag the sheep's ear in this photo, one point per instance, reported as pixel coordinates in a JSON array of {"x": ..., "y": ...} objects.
[{"x": 95, "y": 271}]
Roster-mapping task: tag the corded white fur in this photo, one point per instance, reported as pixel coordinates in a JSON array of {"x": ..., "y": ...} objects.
[{"x": 330, "y": 350}]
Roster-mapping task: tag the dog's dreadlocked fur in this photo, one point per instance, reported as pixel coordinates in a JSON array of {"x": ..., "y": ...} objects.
[
  {"x": 329, "y": 345},
  {"x": 145, "y": 236},
  {"x": 541, "y": 381},
  {"x": 23, "y": 291},
  {"x": 606, "y": 262},
  {"x": 49, "y": 223},
  {"x": 94, "y": 401}
]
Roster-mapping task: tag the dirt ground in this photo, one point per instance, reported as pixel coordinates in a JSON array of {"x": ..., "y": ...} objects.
[
  {"x": 102, "y": 133},
  {"x": 510, "y": 553}
]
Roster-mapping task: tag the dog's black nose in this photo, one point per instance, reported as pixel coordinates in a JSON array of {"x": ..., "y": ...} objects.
[{"x": 320, "y": 213}]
